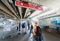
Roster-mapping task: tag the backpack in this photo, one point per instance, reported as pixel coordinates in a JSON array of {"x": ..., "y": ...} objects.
[{"x": 38, "y": 32}]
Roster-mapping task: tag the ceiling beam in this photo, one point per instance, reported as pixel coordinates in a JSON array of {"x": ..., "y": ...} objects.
[
  {"x": 29, "y": 14},
  {"x": 27, "y": 11},
  {"x": 6, "y": 10},
  {"x": 4, "y": 13},
  {"x": 20, "y": 11},
  {"x": 9, "y": 7},
  {"x": 39, "y": 13}
]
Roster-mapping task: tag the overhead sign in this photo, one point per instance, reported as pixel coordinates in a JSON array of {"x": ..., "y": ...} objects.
[{"x": 27, "y": 5}]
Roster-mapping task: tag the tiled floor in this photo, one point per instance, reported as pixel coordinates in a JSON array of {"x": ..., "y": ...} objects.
[{"x": 22, "y": 37}]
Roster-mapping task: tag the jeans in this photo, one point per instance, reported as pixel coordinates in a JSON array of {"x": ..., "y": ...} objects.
[
  {"x": 37, "y": 38},
  {"x": 31, "y": 31}
]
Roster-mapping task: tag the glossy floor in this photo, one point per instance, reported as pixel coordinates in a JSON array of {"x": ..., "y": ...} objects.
[{"x": 26, "y": 37}]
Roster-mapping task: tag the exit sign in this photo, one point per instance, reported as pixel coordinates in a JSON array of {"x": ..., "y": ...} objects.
[{"x": 27, "y": 5}]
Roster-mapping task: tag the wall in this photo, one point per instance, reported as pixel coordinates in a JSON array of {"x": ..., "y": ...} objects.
[{"x": 47, "y": 22}]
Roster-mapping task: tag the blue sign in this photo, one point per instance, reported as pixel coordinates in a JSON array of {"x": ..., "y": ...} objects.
[{"x": 56, "y": 22}]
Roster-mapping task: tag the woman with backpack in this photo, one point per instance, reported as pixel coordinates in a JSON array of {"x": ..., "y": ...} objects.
[{"x": 36, "y": 33}]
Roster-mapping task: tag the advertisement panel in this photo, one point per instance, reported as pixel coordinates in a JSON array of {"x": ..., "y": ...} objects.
[{"x": 28, "y": 5}]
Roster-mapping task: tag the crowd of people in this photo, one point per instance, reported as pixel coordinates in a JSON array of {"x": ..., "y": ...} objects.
[{"x": 35, "y": 31}]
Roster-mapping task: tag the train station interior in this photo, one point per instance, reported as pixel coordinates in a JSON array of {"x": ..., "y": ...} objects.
[{"x": 16, "y": 16}]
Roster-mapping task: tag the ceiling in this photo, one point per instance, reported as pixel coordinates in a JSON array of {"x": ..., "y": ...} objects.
[
  {"x": 53, "y": 9},
  {"x": 9, "y": 9}
]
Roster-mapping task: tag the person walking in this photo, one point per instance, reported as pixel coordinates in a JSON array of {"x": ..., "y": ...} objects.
[
  {"x": 23, "y": 27},
  {"x": 31, "y": 28},
  {"x": 36, "y": 33}
]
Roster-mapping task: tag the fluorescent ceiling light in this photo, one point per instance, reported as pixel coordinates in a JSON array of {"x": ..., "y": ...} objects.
[
  {"x": 35, "y": 13},
  {"x": 39, "y": 12},
  {"x": 46, "y": 13}
]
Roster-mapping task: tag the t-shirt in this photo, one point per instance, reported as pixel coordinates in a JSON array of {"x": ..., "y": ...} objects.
[{"x": 23, "y": 25}]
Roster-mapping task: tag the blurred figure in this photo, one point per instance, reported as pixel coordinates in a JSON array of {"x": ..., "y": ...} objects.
[
  {"x": 28, "y": 25},
  {"x": 23, "y": 27},
  {"x": 31, "y": 28},
  {"x": 36, "y": 33},
  {"x": 57, "y": 29}
]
